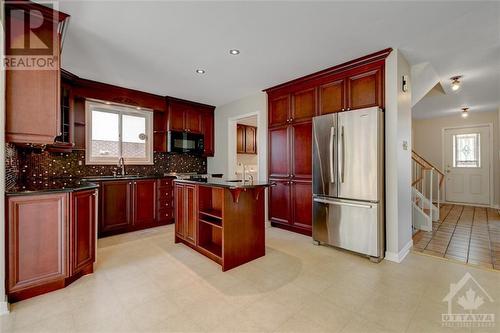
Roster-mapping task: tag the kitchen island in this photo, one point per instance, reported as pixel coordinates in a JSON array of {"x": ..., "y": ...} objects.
[{"x": 221, "y": 219}]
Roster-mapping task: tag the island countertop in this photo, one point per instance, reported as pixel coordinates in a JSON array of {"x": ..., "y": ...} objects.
[{"x": 224, "y": 183}]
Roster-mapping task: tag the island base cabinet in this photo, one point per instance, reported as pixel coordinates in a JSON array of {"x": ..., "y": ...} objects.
[{"x": 50, "y": 242}]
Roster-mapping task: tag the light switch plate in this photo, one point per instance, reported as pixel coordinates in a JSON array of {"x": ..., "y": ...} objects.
[{"x": 405, "y": 145}]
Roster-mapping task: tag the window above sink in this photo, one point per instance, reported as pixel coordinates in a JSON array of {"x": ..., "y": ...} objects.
[{"x": 115, "y": 131}]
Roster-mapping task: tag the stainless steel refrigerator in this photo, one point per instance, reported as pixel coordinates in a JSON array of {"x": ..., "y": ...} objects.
[{"x": 348, "y": 181}]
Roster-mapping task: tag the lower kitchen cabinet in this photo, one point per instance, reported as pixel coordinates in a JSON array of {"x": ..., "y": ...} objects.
[
  {"x": 290, "y": 205},
  {"x": 50, "y": 241},
  {"x": 115, "y": 207},
  {"x": 129, "y": 205},
  {"x": 186, "y": 210}
]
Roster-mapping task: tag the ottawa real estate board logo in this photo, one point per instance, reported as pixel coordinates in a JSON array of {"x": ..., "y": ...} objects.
[
  {"x": 32, "y": 35},
  {"x": 467, "y": 300}
]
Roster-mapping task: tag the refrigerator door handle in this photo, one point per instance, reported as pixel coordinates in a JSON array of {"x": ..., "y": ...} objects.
[
  {"x": 340, "y": 203},
  {"x": 332, "y": 172},
  {"x": 343, "y": 156}
]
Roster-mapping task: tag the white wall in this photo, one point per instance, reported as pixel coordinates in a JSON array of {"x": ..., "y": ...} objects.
[
  {"x": 397, "y": 159},
  {"x": 3, "y": 302},
  {"x": 225, "y": 137},
  {"x": 428, "y": 139}
]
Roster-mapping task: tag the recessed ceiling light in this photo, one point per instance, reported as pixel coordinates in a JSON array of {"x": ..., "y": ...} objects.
[
  {"x": 465, "y": 112},
  {"x": 234, "y": 52},
  {"x": 455, "y": 82},
  {"x": 200, "y": 71}
]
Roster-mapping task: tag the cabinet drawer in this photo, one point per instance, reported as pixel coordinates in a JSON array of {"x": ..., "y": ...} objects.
[
  {"x": 165, "y": 214},
  {"x": 163, "y": 204},
  {"x": 165, "y": 182},
  {"x": 164, "y": 195}
]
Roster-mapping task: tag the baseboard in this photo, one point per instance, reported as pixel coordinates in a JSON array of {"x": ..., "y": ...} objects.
[
  {"x": 267, "y": 224},
  {"x": 399, "y": 257},
  {"x": 4, "y": 308}
]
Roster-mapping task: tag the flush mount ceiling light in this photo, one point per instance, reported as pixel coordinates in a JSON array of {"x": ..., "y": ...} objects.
[
  {"x": 465, "y": 112},
  {"x": 234, "y": 52},
  {"x": 455, "y": 82},
  {"x": 200, "y": 71}
]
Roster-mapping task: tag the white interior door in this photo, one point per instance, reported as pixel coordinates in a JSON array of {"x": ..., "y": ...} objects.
[{"x": 467, "y": 165}]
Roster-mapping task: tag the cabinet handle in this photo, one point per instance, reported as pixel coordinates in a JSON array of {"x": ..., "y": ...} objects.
[{"x": 130, "y": 183}]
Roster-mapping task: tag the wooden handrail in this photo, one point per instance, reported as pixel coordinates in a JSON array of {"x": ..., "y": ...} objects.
[
  {"x": 418, "y": 180},
  {"x": 426, "y": 165}
]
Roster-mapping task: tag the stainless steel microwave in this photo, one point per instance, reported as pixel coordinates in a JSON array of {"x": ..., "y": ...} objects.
[{"x": 185, "y": 142}]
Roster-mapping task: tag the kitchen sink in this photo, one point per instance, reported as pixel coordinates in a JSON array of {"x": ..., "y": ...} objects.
[{"x": 234, "y": 181}]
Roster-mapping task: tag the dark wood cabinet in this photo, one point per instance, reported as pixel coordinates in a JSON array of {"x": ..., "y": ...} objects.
[
  {"x": 303, "y": 105},
  {"x": 279, "y": 110},
  {"x": 353, "y": 85},
  {"x": 301, "y": 194},
  {"x": 250, "y": 140},
  {"x": 365, "y": 90},
  {"x": 279, "y": 152},
  {"x": 115, "y": 207},
  {"x": 301, "y": 151},
  {"x": 50, "y": 241},
  {"x": 144, "y": 202},
  {"x": 240, "y": 139},
  {"x": 186, "y": 212},
  {"x": 32, "y": 96},
  {"x": 332, "y": 97},
  {"x": 165, "y": 201},
  {"x": 208, "y": 128},
  {"x": 82, "y": 230},
  {"x": 246, "y": 139},
  {"x": 183, "y": 116},
  {"x": 279, "y": 201}
]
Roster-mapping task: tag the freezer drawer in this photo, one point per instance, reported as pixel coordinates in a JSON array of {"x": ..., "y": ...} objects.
[{"x": 352, "y": 225}]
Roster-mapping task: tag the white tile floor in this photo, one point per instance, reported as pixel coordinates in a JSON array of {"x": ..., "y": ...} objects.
[{"x": 146, "y": 283}]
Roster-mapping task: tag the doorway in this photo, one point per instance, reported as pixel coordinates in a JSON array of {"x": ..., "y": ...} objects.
[
  {"x": 244, "y": 147},
  {"x": 467, "y": 164}
]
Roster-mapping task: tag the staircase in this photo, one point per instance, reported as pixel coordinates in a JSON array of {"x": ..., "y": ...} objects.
[{"x": 427, "y": 181}]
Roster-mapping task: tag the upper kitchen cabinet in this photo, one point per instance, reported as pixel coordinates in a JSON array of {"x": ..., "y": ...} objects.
[
  {"x": 365, "y": 89},
  {"x": 246, "y": 139},
  {"x": 32, "y": 81},
  {"x": 303, "y": 105},
  {"x": 183, "y": 116},
  {"x": 207, "y": 129},
  {"x": 332, "y": 97},
  {"x": 279, "y": 110}
]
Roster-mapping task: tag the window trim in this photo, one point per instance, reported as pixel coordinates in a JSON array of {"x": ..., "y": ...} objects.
[{"x": 120, "y": 109}]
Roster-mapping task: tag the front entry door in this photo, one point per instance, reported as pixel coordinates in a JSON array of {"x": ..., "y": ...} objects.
[{"x": 467, "y": 165}]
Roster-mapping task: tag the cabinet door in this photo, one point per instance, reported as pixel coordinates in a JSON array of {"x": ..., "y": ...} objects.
[
  {"x": 208, "y": 132},
  {"x": 279, "y": 202},
  {"x": 176, "y": 116},
  {"x": 179, "y": 210},
  {"x": 82, "y": 229},
  {"x": 192, "y": 120},
  {"x": 240, "y": 139},
  {"x": 279, "y": 152},
  {"x": 279, "y": 110},
  {"x": 37, "y": 234},
  {"x": 301, "y": 194},
  {"x": 250, "y": 140},
  {"x": 115, "y": 203},
  {"x": 365, "y": 90},
  {"x": 303, "y": 105},
  {"x": 332, "y": 97},
  {"x": 144, "y": 202},
  {"x": 301, "y": 140},
  {"x": 191, "y": 206}
]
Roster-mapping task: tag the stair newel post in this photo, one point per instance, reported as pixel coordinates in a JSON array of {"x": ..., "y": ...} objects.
[{"x": 430, "y": 194}]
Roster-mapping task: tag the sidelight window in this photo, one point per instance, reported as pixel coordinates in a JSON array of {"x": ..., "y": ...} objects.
[
  {"x": 466, "y": 150},
  {"x": 115, "y": 131}
]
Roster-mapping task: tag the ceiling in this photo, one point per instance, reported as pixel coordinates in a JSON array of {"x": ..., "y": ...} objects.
[{"x": 157, "y": 46}]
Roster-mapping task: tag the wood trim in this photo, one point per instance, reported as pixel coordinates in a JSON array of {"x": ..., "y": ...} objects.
[{"x": 373, "y": 57}]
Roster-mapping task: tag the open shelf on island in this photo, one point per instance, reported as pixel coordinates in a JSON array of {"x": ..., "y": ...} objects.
[
  {"x": 213, "y": 248},
  {"x": 211, "y": 220},
  {"x": 213, "y": 213}
]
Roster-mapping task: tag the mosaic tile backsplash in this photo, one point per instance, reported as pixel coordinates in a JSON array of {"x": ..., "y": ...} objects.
[{"x": 25, "y": 166}]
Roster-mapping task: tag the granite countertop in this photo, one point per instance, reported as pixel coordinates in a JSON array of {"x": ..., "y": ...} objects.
[
  {"x": 51, "y": 186},
  {"x": 225, "y": 183},
  {"x": 54, "y": 185}
]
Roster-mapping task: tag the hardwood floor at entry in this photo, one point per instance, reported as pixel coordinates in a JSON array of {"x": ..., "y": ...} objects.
[{"x": 466, "y": 234}]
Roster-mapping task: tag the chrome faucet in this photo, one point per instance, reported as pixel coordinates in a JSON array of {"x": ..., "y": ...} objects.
[{"x": 121, "y": 165}]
